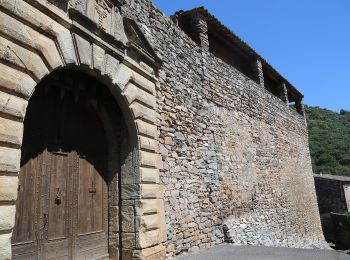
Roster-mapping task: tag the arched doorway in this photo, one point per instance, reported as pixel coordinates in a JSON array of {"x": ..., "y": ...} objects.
[{"x": 68, "y": 193}]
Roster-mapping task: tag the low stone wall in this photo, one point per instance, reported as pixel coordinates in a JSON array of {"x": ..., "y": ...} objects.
[
  {"x": 330, "y": 192},
  {"x": 341, "y": 224}
]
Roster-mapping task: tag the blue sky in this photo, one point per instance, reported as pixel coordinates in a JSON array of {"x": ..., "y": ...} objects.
[{"x": 307, "y": 41}]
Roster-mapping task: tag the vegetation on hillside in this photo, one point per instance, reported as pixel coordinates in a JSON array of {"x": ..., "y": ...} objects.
[{"x": 329, "y": 134}]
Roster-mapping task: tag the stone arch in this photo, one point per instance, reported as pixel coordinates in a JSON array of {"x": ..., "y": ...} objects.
[{"x": 36, "y": 38}]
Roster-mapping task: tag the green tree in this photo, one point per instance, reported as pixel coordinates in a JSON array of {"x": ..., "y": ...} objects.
[{"x": 329, "y": 137}]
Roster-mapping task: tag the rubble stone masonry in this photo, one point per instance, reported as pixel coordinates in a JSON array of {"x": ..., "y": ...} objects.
[{"x": 236, "y": 158}]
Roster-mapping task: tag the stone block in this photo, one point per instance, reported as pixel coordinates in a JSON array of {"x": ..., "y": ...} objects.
[
  {"x": 127, "y": 254},
  {"x": 23, "y": 58},
  {"x": 154, "y": 208},
  {"x": 65, "y": 43},
  {"x": 98, "y": 57},
  {"x": 144, "y": 113},
  {"x": 146, "y": 239},
  {"x": 130, "y": 191},
  {"x": 28, "y": 36},
  {"x": 150, "y": 160},
  {"x": 5, "y": 246},
  {"x": 12, "y": 105},
  {"x": 151, "y": 191},
  {"x": 111, "y": 66},
  {"x": 122, "y": 77},
  {"x": 39, "y": 19},
  {"x": 128, "y": 240},
  {"x": 17, "y": 81},
  {"x": 11, "y": 132},
  {"x": 148, "y": 144},
  {"x": 114, "y": 219},
  {"x": 148, "y": 206},
  {"x": 128, "y": 220},
  {"x": 9, "y": 159},
  {"x": 152, "y": 253},
  {"x": 7, "y": 217},
  {"x": 148, "y": 222},
  {"x": 148, "y": 175},
  {"x": 132, "y": 93},
  {"x": 8, "y": 188},
  {"x": 144, "y": 83},
  {"x": 84, "y": 50},
  {"x": 146, "y": 129}
]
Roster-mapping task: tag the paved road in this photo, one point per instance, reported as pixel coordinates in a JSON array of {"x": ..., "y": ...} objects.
[{"x": 231, "y": 252}]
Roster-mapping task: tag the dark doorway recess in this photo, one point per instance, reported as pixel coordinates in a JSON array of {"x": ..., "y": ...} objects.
[{"x": 74, "y": 143}]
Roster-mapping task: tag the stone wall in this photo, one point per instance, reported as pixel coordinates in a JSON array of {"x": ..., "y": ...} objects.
[{"x": 236, "y": 158}]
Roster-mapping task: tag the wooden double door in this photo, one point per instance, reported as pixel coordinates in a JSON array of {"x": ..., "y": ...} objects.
[{"x": 62, "y": 206}]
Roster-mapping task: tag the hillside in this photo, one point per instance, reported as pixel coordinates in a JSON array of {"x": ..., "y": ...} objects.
[{"x": 329, "y": 134}]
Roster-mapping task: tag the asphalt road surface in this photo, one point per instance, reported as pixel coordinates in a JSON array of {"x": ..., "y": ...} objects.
[{"x": 231, "y": 252}]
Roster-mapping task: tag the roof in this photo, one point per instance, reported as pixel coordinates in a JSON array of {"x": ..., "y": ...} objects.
[
  {"x": 232, "y": 37},
  {"x": 332, "y": 177}
]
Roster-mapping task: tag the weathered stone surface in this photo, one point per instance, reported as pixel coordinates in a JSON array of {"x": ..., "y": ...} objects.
[
  {"x": 152, "y": 191},
  {"x": 8, "y": 188},
  {"x": 98, "y": 57},
  {"x": 132, "y": 93},
  {"x": 111, "y": 66},
  {"x": 142, "y": 112},
  {"x": 84, "y": 49},
  {"x": 146, "y": 129},
  {"x": 12, "y": 106},
  {"x": 128, "y": 240},
  {"x": 148, "y": 207},
  {"x": 114, "y": 222},
  {"x": 7, "y": 217},
  {"x": 123, "y": 76},
  {"x": 10, "y": 52},
  {"x": 148, "y": 159},
  {"x": 41, "y": 20},
  {"x": 148, "y": 144},
  {"x": 15, "y": 29},
  {"x": 143, "y": 82},
  {"x": 9, "y": 159},
  {"x": 146, "y": 239},
  {"x": 149, "y": 175},
  {"x": 128, "y": 221},
  {"x": 5, "y": 246},
  {"x": 16, "y": 81},
  {"x": 152, "y": 253},
  {"x": 11, "y": 132}
]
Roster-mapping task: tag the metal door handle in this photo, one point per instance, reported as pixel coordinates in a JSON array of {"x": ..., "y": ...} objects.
[
  {"x": 45, "y": 219},
  {"x": 58, "y": 196}
]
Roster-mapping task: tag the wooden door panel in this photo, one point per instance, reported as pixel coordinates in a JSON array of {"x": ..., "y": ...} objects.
[
  {"x": 57, "y": 202},
  {"x": 25, "y": 251},
  {"x": 57, "y": 249},
  {"x": 25, "y": 235},
  {"x": 26, "y": 214},
  {"x": 90, "y": 199},
  {"x": 92, "y": 246}
]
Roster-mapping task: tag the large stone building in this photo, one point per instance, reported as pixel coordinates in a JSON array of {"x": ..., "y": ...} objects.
[{"x": 126, "y": 134}]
